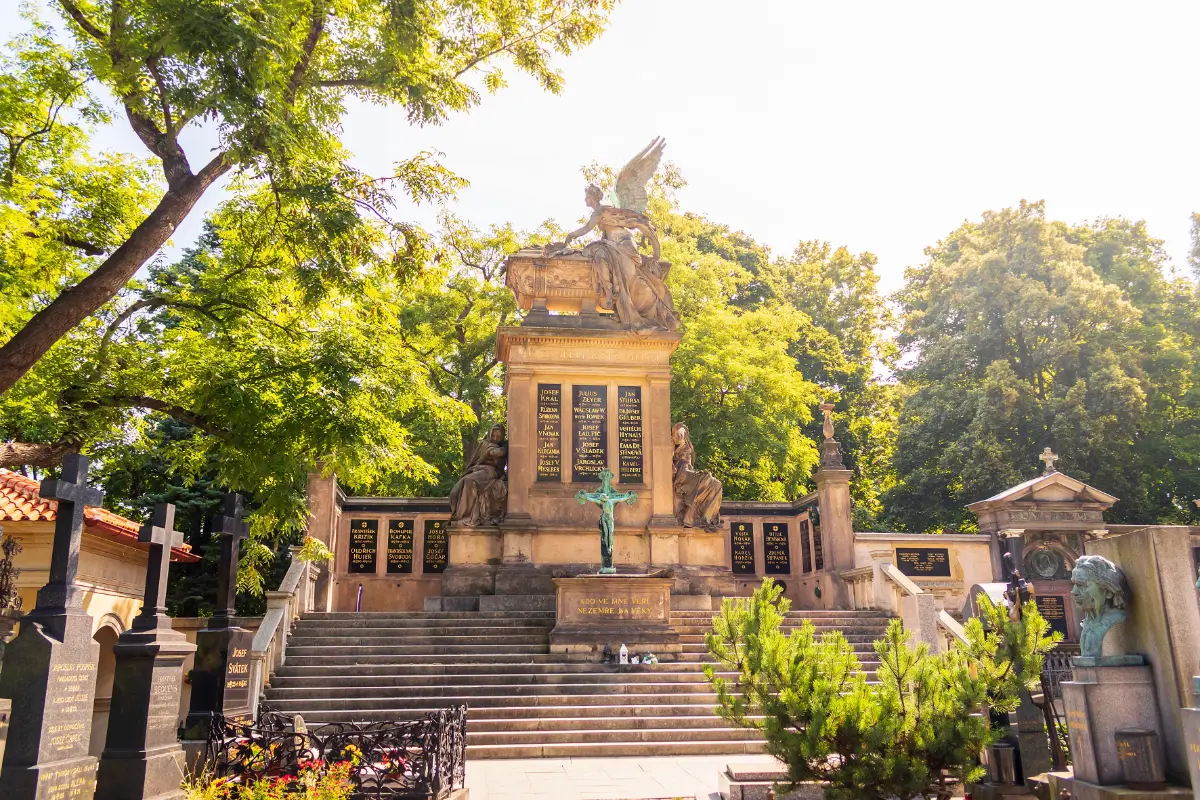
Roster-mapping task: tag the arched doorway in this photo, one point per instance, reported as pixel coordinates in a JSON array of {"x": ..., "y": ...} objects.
[{"x": 106, "y": 636}]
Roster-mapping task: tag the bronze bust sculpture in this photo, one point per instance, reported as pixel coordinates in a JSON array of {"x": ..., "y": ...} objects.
[
  {"x": 480, "y": 498},
  {"x": 1101, "y": 593}
]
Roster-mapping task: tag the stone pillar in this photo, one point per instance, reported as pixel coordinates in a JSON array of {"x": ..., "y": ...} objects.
[
  {"x": 658, "y": 411},
  {"x": 50, "y": 668},
  {"x": 323, "y": 518},
  {"x": 833, "y": 505},
  {"x": 142, "y": 756},
  {"x": 1099, "y": 701}
]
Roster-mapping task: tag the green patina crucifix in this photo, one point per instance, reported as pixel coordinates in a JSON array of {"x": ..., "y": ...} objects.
[{"x": 606, "y": 498}]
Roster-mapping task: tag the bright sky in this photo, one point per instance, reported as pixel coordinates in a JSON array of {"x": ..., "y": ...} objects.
[{"x": 880, "y": 126}]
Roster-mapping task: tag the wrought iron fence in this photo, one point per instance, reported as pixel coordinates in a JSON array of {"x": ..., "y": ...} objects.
[
  {"x": 421, "y": 758},
  {"x": 1057, "y": 667}
]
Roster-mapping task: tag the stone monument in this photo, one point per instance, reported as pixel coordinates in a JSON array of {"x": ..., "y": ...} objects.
[
  {"x": 142, "y": 757},
  {"x": 480, "y": 496},
  {"x": 588, "y": 383},
  {"x": 50, "y": 668},
  {"x": 1111, "y": 691},
  {"x": 221, "y": 675}
]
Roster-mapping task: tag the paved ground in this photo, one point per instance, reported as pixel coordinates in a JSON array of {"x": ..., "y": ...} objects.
[{"x": 656, "y": 777}]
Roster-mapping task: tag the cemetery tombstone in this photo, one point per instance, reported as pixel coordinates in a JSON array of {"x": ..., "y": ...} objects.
[
  {"x": 50, "y": 668},
  {"x": 142, "y": 757},
  {"x": 221, "y": 675}
]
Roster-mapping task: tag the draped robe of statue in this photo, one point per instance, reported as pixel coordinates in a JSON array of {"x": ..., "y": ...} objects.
[
  {"x": 697, "y": 492},
  {"x": 626, "y": 281},
  {"x": 480, "y": 498}
]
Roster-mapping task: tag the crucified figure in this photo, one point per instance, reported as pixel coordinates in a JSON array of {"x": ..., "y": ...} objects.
[{"x": 607, "y": 499}]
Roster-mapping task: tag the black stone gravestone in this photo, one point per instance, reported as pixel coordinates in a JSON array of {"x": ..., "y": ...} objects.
[
  {"x": 221, "y": 671},
  {"x": 142, "y": 757},
  {"x": 50, "y": 668}
]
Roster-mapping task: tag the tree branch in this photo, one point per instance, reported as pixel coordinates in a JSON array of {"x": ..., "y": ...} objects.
[
  {"x": 316, "y": 27},
  {"x": 503, "y": 48},
  {"x": 154, "y": 404},
  {"x": 82, "y": 21},
  {"x": 27, "y": 454}
]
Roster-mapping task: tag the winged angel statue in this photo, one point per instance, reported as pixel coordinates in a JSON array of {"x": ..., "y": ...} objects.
[{"x": 627, "y": 281}]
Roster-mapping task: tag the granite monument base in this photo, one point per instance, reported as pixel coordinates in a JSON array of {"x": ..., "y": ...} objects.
[
  {"x": 1191, "y": 733},
  {"x": 50, "y": 676},
  {"x": 1083, "y": 790},
  {"x": 220, "y": 679},
  {"x": 757, "y": 781},
  {"x": 1099, "y": 702},
  {"x": 592, "y": 611},
  {"x": 142, "y": 757}
]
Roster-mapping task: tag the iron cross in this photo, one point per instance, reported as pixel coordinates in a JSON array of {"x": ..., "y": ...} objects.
[
  {"x": 73, "y": 496},
  {"x": 161, "y": 535},
  {"x": 232, "y": 529}
]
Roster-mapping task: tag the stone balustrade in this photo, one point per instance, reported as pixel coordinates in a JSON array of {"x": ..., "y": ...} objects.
[{"x": 296, "y": 595}]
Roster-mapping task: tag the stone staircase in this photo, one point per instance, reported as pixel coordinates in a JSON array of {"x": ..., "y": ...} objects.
[{"x": 523, "y": 702}]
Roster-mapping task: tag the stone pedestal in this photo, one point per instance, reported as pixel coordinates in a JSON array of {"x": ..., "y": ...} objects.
[
  {"x": 142, "y": 757},
  {"x": 1191, "y": 735},
  {"x": 50, "y": 676},
  {"x": 1100, "y": 701},
  {"x": 594, "y": 610},
  {"x": 220, "y": 679}
]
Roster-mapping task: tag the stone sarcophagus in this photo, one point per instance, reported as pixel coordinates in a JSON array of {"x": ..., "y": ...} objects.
[{"x": 561, "y": 283}]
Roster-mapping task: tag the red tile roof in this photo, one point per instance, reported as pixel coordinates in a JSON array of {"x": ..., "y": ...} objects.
[{"x": 21, "y": 501}]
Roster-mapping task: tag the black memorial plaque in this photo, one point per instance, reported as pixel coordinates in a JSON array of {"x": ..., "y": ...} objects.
[
  {"x": 629, "y": 433},
  {"x": 437, "y": 546},
  {"x": 805, "y": 548},
  {"x": 236, "y": 703},
  {"x": 923, "y": 562},
  {"x": 400, "y": 547},
  {"x": 818, "y": 546},
  {"x": 549, "y": 432},
  {"x": 776, "y": 549},
  {"x": 589, "y": 421},
  {"x": 364, "y": 545},
  {"x": 1053, "y": 608},
  {"x": 741, "y": 547}
]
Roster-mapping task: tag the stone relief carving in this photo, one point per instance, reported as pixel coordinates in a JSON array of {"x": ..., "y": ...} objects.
[
  {"x": 625, "y": 280},
  {"x": 697, "y": 492},
  {"x": 1101, "y": 593},
  {"x": 480, "y": 498}
]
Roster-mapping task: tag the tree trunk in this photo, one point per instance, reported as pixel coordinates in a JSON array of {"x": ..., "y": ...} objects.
[{"x": 72, "y": 306}]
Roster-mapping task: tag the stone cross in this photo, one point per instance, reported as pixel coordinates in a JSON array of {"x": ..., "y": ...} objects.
[
  {"x": 161, "y": 535},
  {"x": 606, "y": 498},
  {"x": 73, "y": 496},
  {"x": 1048, "y": 458},
  {"x": 232, "y": 529}
]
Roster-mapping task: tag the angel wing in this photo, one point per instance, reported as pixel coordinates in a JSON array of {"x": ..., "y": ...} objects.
[{"x": 631, "y": 180}]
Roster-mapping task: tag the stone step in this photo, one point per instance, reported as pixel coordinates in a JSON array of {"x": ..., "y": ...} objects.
[
  {"x": 422, "y": 671},
  {"x": 352, "y": 652},
  {"x": 431, "y": 642},
  {"x": 615, "y": 749},
  {"x": 707, "y": 719},
  {"x": 469, "y": 691},
  {"x": 601, "y": 736},
  {"x": 499, "y": 623},
  {"x": 361, "y": 682},
  {"x": 517, "y": 712},
  {"x": 432, "y": 700},
  {"x": 385, "y": 615}
]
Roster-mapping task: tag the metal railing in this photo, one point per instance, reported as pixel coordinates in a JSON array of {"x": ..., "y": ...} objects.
[{"x": 294, "y": 597}]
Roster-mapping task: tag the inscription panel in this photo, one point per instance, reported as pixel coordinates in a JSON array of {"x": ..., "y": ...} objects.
[
  {"x": 589, "y": 424},
  {"x": 549, "y": 432},
  {"x": 364, "y": 537},
  {"x": 437, "y": 547},
  {"x": 236, "y": 696},
  {"x": 805, "y": 548},
  {"x": 818, "y": 546},
  {"x": 1053, "y": 608},
  {"x": 741, "y": 548},
  {"x": 629, "y": 434},
  {"x": 400, "y": 547},
  {"x": 777, "y": 550},
  {"x": 924, "y": 562}
]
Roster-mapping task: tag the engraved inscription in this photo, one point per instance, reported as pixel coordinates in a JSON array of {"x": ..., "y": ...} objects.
[
  {"x": 549, "y": 432},
  {"x": 589, "y": 419},
  {"x": 437, "y": 547},
  {"x": 364, "y": 535},
  {"x": 615, "y": 608},
  {"x": 400, "y": 546},
  {"x": 1053, "y": 608},
  {"x": 818, "y": 547},
  {"x": 741, "y": 547},
  {"x": 805, "y": 548},
  {"x": 925, "y": 562},
  {"x": 776, "y": 549},
  {"x": 629, "y": 434}
]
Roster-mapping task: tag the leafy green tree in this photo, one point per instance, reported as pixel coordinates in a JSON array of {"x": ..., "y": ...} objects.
[
  {"x": 915, "y": 731},
  {"x": 273, "y": 80},
  {"x": 1026, "y": 333}
]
